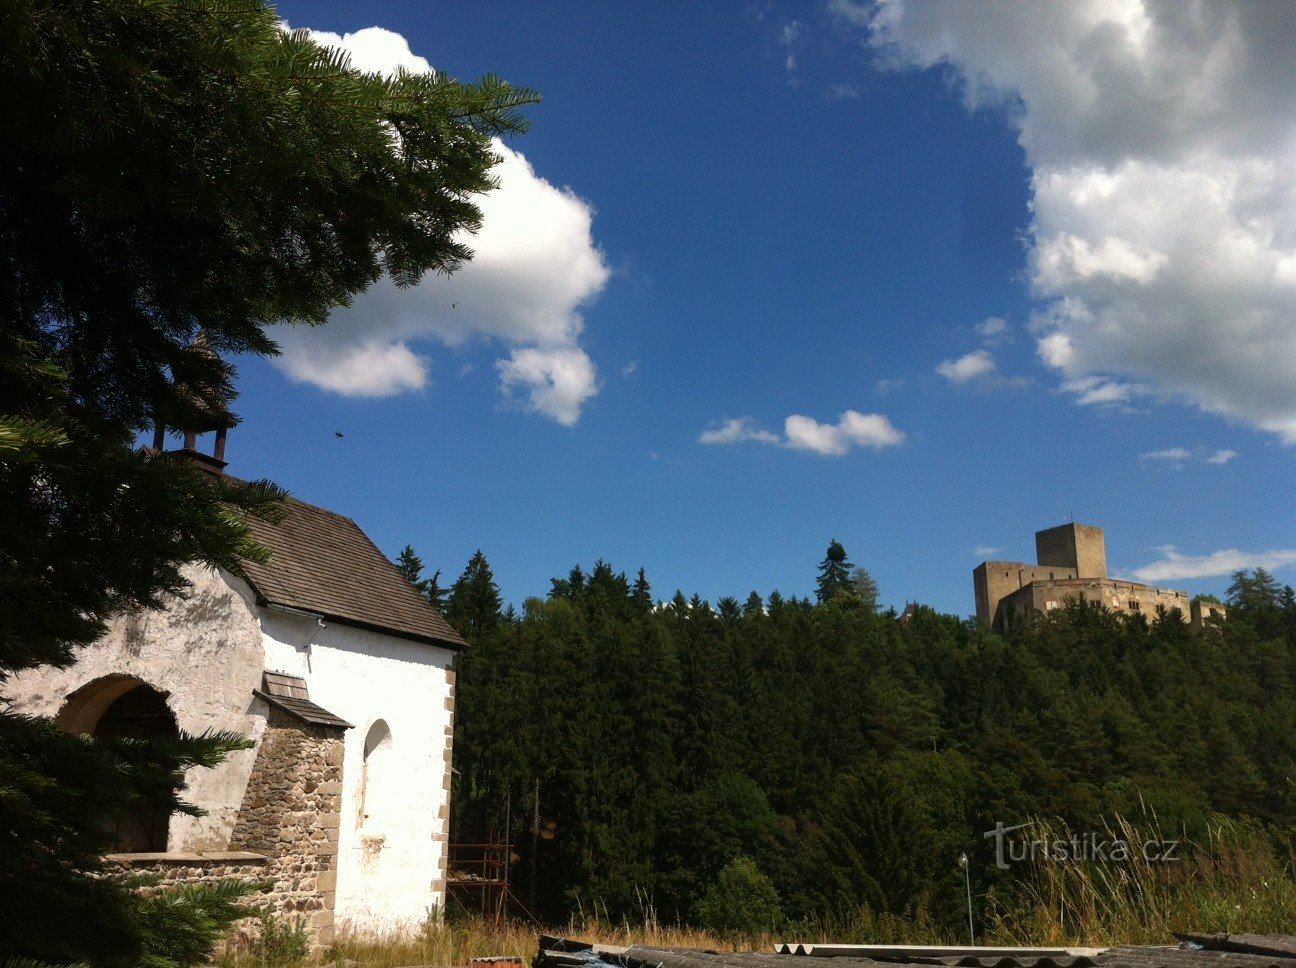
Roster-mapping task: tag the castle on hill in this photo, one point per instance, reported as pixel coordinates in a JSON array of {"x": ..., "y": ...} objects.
[{"x": 1071, "y": 566}]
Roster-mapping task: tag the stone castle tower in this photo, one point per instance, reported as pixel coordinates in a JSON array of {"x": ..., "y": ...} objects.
[{"x": 1071, "y": 566}]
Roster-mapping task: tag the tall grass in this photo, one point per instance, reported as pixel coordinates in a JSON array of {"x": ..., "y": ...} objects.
[{"x": 1232, "y": 879}]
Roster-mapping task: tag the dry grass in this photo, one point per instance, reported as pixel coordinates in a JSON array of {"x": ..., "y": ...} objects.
[
  {"x": 1234, "y": 881},
  {"x": 455, "y": 942}
]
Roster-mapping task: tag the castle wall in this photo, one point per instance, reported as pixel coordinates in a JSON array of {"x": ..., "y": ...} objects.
[
  {"x": 1205, "y": 614},
  {"x": 1120, "y": 596},
  {"x": 993, "y": 581},
  {"x": 395, "y": 808}
]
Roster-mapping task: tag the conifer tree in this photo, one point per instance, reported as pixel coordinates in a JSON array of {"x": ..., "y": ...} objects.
[
  {"x": 864, "y": 588},
  {"x": 641, "y": 593},
  {"x": 167, "y": 193},
  {"x": 409, "y": 564},
  {"x": 834, "y": 573},
  {"x": 474, "y": 604}
]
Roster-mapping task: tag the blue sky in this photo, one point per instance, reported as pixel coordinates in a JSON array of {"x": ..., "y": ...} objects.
[{"x": 730, "y": 226}]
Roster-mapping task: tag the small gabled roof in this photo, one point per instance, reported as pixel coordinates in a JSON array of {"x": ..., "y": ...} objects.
[{"x": 322, "y": 562}]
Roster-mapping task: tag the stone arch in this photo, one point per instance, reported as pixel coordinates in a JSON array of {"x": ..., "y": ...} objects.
[
  {"x": 376, "y": 776},
  {"x": 125, "y": 707}
]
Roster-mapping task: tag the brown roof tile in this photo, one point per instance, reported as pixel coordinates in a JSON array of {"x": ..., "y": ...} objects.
[{"x": 322, "y": 562}]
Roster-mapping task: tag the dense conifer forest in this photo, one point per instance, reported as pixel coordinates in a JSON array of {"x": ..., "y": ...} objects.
[{"x": 642, "y": 754}]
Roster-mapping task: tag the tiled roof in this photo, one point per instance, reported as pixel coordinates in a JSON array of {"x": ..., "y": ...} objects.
[{"x": 322, "y": 562}]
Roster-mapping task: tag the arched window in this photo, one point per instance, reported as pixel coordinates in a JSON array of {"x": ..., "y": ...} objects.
[
  {"x": 123, "y": 707},
  {"x": 376, "y": 777}
]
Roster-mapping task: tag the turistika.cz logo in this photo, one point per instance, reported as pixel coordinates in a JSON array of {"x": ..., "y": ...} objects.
[{"x": 1103, "y": 848}]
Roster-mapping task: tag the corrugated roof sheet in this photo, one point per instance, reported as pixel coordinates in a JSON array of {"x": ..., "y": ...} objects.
[
  {"x": 1195, "y": 951},
  {"x": 322, "y": 562}
]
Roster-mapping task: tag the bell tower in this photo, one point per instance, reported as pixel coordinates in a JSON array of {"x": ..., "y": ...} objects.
[{"x": 207, "y": 418}]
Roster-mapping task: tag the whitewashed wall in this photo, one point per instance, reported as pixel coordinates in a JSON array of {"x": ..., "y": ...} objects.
[
  {"x": 390, "y": 862},
  {"x": 207, "y": 652},
  {"x": 204, "y": 652}
]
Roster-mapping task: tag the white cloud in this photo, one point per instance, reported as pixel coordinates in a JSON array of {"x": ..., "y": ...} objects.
[
  {"x": 976, "y": 365},
  {"x": 1174, "y": 455},
  {"x": 371, "y": 370},
  {"x": 557, "y": 381},
  {"x": 1174, "y": 566},
  {"x": 735, "y": 430},
  {"x": 852, "y": 429},
  {"x": 535, "y": 267},
  {"x": 842, "y": 91},
  {"x": 993, "y": 329},
  {"x": 1162, "y": 149},
  {"x": 985, "y": 551},
  {"x": 375, "y": 50},
  {"x": 788, "y": 38},
  {"x": 629, "y": 368},
  {"x": 1098, "y": 391},
  {"x": 886, "y": 386},
  {"x": 1178, "y": 456},
  {"x": 1066, "y": 259}
]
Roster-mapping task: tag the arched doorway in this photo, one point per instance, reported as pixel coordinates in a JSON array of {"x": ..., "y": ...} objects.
[{"x": 123, "y": 707}]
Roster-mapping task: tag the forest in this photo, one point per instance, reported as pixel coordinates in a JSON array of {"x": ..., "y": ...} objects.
[{"x": 834, "y": 761}]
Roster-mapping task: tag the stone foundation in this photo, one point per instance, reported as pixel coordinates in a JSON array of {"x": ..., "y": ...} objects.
[{"x": 209, "y": 867}]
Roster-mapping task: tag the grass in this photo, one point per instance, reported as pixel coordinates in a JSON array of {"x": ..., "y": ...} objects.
[
  {"x": 455, "y": 942},
  {"x": 1234, "y": 880}
]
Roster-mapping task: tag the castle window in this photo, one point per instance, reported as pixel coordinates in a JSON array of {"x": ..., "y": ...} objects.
[{"x": 1134, "y": 605}]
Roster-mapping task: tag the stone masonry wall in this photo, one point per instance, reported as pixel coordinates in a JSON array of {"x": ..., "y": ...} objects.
[
  {"x": 994, "y": 581},
  {"x": 208, "y": 867},
  {"x": 1122, "y": 597},
  {"x": 172, "y": 870},
  {"x": 290, "y": 813}
]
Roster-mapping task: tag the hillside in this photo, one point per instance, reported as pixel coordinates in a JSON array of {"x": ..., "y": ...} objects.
[{"x": 853, "y": 756}]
